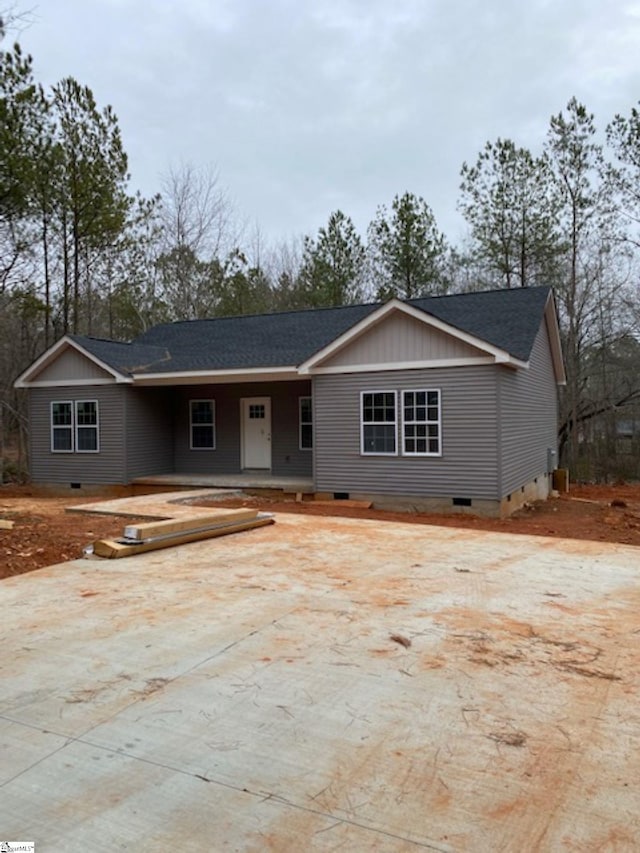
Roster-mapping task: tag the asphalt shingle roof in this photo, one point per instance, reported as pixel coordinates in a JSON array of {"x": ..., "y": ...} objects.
[
  {"x": 126, "y": 358},
  {"x": 508, "y": 319}
]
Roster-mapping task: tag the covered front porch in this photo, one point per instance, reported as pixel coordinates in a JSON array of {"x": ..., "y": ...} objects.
[{"x": 245, "y": 481}]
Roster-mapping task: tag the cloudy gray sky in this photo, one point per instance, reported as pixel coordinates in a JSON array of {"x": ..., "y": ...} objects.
[{"x": 305, "y": 106}]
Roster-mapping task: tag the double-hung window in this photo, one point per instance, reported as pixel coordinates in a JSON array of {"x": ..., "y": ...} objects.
[
  {"x": 74, "y": 426},
  {"x": 420, "y": 428},
  {"x": 378, "y": 423},
  {"x": 86, "y": 426},
  {"x": 421, "y": 423},
  {"x": 306, "y": 423},
  {"x": 202, "y": 424},
  {"x": 62, "y": 427}
]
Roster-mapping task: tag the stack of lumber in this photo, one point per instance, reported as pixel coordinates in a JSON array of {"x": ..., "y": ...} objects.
[{"x": 153, "y": 535}]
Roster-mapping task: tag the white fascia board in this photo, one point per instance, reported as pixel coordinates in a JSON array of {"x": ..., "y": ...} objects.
[
  {"x": 555, "y": 341},
  {"x": 70, "y": 383},
  {"x": 50, "y": 355},
  {"x": 218, "y": 377},
  {"x": 406, "y": 365},
  {"x": 499, "y": 355},
  {"x": 350, "y": 335}
]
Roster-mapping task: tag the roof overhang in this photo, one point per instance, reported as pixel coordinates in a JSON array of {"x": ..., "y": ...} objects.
[
  {"x": 555, "y": 342},
  {"x": 28, "y": 379},
  {"x": 218, "y": 377},
  {"x": 494, "y": 355}
]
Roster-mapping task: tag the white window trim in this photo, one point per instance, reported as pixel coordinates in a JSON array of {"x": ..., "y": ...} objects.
[
  {"x": 302, "y": 423},
  {"x": 61, "y": 426},
  {"x": 78, "y": 426},
  {"x": 427, "y": 422},
  {"x": 364, "y": 452},
  {"x": 212, "y": 424}
]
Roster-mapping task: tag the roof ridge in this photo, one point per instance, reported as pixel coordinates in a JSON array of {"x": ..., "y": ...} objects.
[
  {"x": 307, "y": 310},
  {"x": 322, "y": 308},
  {"x": 75, "y": 337},
  {"x": 482, "y": 292}
]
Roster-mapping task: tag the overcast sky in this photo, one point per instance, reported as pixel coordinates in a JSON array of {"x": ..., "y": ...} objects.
[{"x": 306, "y": 106}]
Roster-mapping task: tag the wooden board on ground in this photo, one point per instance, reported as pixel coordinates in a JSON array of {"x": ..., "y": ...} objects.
[
  {"x": 113, "y": 549},
  {"x": 177, "y": 525}
]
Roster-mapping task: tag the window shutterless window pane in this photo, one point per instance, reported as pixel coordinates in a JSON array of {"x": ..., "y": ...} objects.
[
  {"x": 86, "y": 413},
  {"x": 421, "y": 428},
  {"x": 62, "y": 439},
  {"x": 61, "y": 414},
  {"x": 202, "y": 436},
  {"x": 306, "y": 437},
  {"x": 62, "y": 427},
  {"x": 379, "y": 438},
  {"x": 87, "y": 439},
  {"x": 306, "y": 423},
  {"x": 306, "y": 410},
  {"x": 202, "y": 426},
  {"x": 201, "y": 412},
  {"x": 378, "y": 422}
]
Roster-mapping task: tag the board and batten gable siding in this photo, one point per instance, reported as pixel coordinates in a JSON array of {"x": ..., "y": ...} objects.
[
  {"x": 149, "y": 432},
  {"x": 400, "y": 338},
  {"x": 286, "y": 457},
  {"x": 108, "y": 466},
  {"x": 468, "y": 466},
  {"x": 71, "y": 365},
  {"x": 528, "y": 422}
]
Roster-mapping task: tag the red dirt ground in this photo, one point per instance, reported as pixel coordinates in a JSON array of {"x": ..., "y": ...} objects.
[{"x": 43, "y": 534}]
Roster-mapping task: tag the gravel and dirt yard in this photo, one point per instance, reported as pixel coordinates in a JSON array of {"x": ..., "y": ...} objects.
[{"x": 44, "y": 534}]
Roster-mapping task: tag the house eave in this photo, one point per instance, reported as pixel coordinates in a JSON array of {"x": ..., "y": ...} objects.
[
  {"x": 430, "y": 364},
  {"x": 218, "y": 377},
  {"x": 71, "y": 383}
]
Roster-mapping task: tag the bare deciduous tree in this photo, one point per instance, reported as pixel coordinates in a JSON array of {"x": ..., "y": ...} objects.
[{"x": 196, "y": 212}]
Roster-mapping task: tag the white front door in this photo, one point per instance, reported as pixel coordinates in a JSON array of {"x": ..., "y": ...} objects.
[{"x": 256, "y": 432}]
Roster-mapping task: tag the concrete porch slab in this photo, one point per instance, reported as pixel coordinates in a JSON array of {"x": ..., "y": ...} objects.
[
  {"x": 254, "y": 480},
  {"x": 248, "y": 694}
]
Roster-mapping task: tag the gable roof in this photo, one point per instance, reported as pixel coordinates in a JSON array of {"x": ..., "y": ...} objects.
[
  {"x": 506, "y": 320},
  {"x": 257, "y": 340}
]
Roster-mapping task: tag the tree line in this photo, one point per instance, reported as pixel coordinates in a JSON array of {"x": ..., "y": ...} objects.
[{"x": 81, "y": 254}]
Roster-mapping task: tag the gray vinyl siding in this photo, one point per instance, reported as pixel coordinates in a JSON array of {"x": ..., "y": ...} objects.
[
  {"x": 286, "y": 457},
  {"x": 107, "y": 466},
  {"x": 72, "y": 365},
  {"x": 468, "y": 466},
  {"x": 401, "y": 338},
  {"x": 149, "y": 442},
  {"x": 529, "y": 417}
]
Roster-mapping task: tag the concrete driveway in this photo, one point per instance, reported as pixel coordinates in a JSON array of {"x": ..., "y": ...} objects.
[{"x": 259, "y": 692}]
